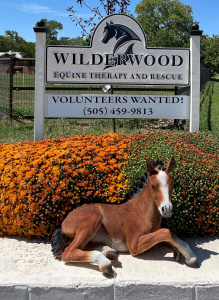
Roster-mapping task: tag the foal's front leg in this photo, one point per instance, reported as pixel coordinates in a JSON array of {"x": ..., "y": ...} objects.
[{"x": 142, "y": 243}]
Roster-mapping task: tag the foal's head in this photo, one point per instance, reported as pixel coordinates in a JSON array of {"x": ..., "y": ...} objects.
[{"x": 160, "y": 184}]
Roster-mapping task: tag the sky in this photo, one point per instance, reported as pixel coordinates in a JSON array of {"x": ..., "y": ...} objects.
[{"x": 22, "y": 15}]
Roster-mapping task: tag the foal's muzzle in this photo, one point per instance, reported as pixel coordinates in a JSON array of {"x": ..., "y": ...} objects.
[{"x": 166, "y": 212}]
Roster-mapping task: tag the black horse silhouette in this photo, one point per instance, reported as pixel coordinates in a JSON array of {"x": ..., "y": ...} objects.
[{"x": 123, "y": 35}]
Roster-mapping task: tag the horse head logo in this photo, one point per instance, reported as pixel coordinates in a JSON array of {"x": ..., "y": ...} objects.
[{"x": 123, "y": 35}]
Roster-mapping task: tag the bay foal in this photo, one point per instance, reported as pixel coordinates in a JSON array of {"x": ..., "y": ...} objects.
[{"x": 132, "y": 227}]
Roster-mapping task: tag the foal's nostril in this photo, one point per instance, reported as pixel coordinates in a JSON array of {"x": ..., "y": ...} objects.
[{"x": 167, "y": 212}]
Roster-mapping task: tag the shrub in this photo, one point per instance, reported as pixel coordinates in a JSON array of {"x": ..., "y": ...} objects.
[
  {"x": 196, "y": 178},
  {"x": 42, "y": 181}
]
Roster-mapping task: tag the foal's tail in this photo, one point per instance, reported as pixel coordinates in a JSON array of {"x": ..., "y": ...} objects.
[{"x": 58, "y": 242}]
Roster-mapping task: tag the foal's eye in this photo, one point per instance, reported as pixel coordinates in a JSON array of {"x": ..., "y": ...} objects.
[{"x": 153, "y": 187}]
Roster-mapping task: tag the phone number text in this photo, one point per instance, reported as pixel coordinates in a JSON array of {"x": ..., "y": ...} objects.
[{"x": 103, "y": 111}]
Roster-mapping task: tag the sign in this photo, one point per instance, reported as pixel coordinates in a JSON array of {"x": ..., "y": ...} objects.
[
  {"x": 117, "y": 106},
  {"x": 118, "y": 54}
]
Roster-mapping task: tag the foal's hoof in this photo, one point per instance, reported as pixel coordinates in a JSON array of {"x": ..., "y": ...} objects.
[
  {"x": 113, "y": 257},
  {"x": 193, "y": 263},
  {"x": 111, "y": 254},
  {"x": 108, "y": 271}
]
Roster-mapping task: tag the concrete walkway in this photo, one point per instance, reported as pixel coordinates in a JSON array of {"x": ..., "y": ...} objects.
[{"x": 28, "y": 271}]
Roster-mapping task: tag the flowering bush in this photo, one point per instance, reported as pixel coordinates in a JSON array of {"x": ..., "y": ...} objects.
[
  {"x": 196, "y": 178},
  {"x": 41, "y": 182}
]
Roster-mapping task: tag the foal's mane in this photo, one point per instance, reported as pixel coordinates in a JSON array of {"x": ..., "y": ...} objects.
[{"x": 137, "y": 189}]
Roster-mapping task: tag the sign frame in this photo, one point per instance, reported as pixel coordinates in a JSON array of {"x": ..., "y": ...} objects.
[
  {"x": 40, "y": 72},
  {"x": 155, "y": 65}
]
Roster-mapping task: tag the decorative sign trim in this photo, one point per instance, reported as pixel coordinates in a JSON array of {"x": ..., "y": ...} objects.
[{"x": 118, "y": 54}]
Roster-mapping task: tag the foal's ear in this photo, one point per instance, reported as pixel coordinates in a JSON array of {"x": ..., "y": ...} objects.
[
  {"x": 171, "y": 165},
  {"x": 150, "y": 166}
]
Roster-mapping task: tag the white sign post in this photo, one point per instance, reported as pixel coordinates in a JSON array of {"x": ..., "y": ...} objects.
[
  {"x": 195, "y": 78},
  {"x": 39, "y": 113}
]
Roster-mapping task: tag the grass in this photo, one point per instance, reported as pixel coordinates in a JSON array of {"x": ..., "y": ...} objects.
[
  {"x": 17, "y": 130},
  {"x": 209, "y": 108},
  {"x": 21, "y": 129}
]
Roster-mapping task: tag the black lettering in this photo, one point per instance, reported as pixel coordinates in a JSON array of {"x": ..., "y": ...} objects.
[
  {"x": 104, "y": 99},
  {"x": 64, "y": 99},
  {"x": 174, "y": 62},
  {"x": 135, "y": 99},
  {"x": 144, "y": 76},
  {"x": 111, "y": 99},
  {"x": 121, "y": 59},
  {"x": 143, "y": 100},
  {"x": 175, "y": 100},
  {"x": 96, "y": 61},
  {"x": 149, "y": 60},
  {"x": 73, "y": 58},
  {"x": 132, "y": 58},
  {"x": 165, "y": 62},
  {"x": 125, "y": 100},
  {"x": 87, "y": 99},
  {"x": 78, "y": 99},
  {"x": 61, "y": 56},
  {"x": 55, "y": 100},
  {"x": 152, "y": 99},
  {"x": 82, "y": 60},
  {"x": 109, "y": 60},
  {"x": 71, "y": 100},
  {"x": 117, "y": 99}
]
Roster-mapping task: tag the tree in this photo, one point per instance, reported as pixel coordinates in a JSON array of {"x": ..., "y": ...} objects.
[
  {"x": 167, "y": 23},
  {"x": 108, "y": 7},
  {"x": 210, "y": 53},
  {"x": 78, "y": 41},
  {"x": 52, "y": 31},
  {"x": 11, "y": 41}
]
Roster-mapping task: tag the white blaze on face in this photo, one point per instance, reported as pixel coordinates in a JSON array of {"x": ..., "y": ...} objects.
[{"x": 162, "y": 177}]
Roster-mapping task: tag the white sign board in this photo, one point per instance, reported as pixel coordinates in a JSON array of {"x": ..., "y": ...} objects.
[
  {"x": 117, "y": 106},
  {"x": 118, "y": 54}
]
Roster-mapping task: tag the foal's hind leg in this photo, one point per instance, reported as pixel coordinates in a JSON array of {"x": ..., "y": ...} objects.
[{"x": 83, "y": 233}]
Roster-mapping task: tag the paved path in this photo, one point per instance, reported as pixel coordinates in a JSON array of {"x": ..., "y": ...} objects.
[{"x": 28, "y": 271}]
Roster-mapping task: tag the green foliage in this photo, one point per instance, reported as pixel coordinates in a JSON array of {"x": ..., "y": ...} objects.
[
  {"x": 11, "y": 41},
  {"x": 209, "y": 109},
  {"x": 196, "y": 177},
  {"x": 42, "y": 181},
  {"x": 210, "y": 53},
  {"x": 166, "y": 23},
  {"x": 52, "y": 31}
]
